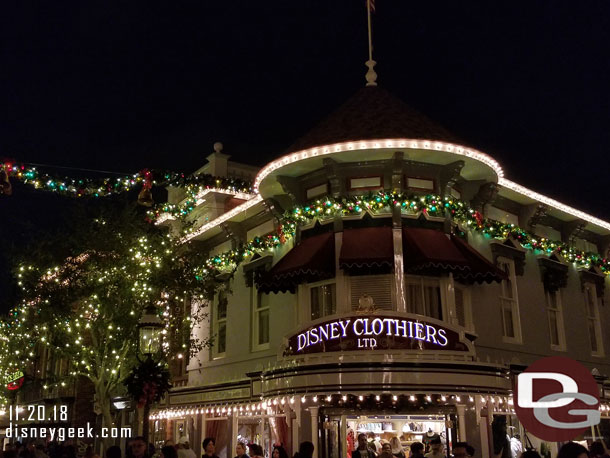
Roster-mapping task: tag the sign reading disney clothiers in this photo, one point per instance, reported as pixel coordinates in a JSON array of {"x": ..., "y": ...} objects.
[{"x": 383, "y": 332}]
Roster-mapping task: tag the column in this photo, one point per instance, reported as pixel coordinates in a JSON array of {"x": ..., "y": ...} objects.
[
  {"x": 296, "y": 425},
  {"x": 399, "y": 278},
  {"x": 313, "y": 411},
  {"x": 234, "y": 432},
  {"x": 461, "y": 414}
]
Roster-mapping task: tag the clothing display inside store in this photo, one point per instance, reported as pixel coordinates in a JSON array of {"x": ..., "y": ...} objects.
[{"x": 408, "y": 429}]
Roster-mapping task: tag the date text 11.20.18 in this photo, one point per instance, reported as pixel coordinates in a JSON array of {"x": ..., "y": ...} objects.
[{"x": 42, "y": 412}]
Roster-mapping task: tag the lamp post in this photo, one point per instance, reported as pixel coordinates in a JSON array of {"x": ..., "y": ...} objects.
[{"x": 149, "y": 343}]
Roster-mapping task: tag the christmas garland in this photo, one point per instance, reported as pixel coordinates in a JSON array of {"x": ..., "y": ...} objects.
[
  {"x": 409, "y": 204},
  {"x": 101, "y": 187}
]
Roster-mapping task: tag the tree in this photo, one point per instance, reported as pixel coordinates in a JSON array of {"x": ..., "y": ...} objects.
[{"x": 84, "y": 291}]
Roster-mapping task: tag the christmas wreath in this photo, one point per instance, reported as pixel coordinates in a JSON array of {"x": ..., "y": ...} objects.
[{"x": 148, "y": 382}]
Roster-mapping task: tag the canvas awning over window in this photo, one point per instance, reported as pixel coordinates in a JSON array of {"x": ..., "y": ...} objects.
[
  {"x": 313, "y": 259},
  {"x": 431, "y": 252},
  {"x": 367, "y": 250}
]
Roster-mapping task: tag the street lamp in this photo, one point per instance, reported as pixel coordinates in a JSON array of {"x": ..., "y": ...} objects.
[
  {"x": 149, "y": 332},
  {"x": 149, "y": 343}
]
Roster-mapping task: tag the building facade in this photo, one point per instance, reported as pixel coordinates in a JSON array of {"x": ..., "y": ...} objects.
[{"x": 390, "y": 280}]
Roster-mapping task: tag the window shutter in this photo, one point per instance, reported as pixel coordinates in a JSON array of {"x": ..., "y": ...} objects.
[{"x": 379, "y": 287}]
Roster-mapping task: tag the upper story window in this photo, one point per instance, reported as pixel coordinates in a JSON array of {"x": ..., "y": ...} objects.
[
  {"x": 260, "y": 322},
  {"x": 463, "y": 309},
  {"x": 424, "y": 296},
  {"x": 378, "y": 287},
  {"x": 323, "y": 299},
  {"x": 555, "y": 318},
  {"x": 219, "y": 326},
  {"x": 592, "y": 311},
  {"x": 509, "y": 302}
]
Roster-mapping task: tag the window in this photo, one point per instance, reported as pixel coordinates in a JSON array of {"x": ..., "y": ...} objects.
[
  {"x": 420, "y": 183},
  {"x": 323, "y": 300},
  {"x": 595, "y": 335},
  {"x": 220, "y": 325},
  {"x": 424, "y": 297},
  {"x": 260, "y": 332},
  {"x": 378, "y": 287},
  {"x": 555, "y": 317},
  {"x": 511, "y": 328},
  {"x": 463, "y": 311}
]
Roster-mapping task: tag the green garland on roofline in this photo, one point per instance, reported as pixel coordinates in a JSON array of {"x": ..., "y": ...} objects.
[{"x": 382, "y": 202}]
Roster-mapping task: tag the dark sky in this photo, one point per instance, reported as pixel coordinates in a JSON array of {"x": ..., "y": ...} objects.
[{"x": 124, "y": 85}]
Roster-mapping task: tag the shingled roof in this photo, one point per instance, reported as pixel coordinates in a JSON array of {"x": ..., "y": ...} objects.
[{"x": 373, "y": 113}]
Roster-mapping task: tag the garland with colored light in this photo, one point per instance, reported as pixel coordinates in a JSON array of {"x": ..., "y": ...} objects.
[
  {"x": 101, "y": 187},
  {"x": 437, "y": 206}
]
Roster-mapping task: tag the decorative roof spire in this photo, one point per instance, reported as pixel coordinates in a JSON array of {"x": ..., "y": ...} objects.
[{"x": 371, "y": 75}]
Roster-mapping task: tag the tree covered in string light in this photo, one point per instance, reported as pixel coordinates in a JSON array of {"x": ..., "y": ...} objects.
[{"x": 85, "y": 308}]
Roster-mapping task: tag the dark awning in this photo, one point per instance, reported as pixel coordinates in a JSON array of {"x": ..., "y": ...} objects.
[
  {"x": 313, "y": 259},
  {"x": 431, "y": 252},
  {"x": 367, "y": 250}
]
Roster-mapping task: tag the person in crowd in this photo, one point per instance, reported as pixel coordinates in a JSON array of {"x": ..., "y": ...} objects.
[
  {"x": 436, "y": 449},
  {"x": 169, "y": 451},
  {"x": 386, "y": 447},
  {"x": 417, "y": 450},
  {"x": 396, "y": 446},
  {"x": 572, "y": 450},
  {"x": 113, "y": 451},
  {"x": 306, "y": 450},
  {"x": 530, "y": 454},
  {"x": 279, "y": 452},
  {"x": 374, "y": 443},
  {"x": 209, "y": 447},
  {"x": 365, "y": 449},
  {"x": 240, "y": 450},
  {"x": 40, "y": 452},
  {"x": 138, "y": 448},
  {"x": 460, "y": 450},
  {"x": 597, "y": 450},
  {"x": 185, "y": 450},
  {"x": 256, "y": 451}
]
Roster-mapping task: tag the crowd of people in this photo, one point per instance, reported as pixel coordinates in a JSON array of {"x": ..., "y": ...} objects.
[{"x": 368, "y": 447}]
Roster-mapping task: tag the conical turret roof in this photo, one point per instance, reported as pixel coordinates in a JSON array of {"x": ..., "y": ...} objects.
[{"x": 373, "y": 113}]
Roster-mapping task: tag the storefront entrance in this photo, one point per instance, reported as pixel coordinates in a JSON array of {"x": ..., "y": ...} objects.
[{"x": 339, "y": 432}]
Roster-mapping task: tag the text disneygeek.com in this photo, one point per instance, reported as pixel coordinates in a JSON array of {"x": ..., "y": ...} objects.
[{"x": 62, "y": 433}]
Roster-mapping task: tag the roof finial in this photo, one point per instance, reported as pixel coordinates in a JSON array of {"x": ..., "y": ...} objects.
[{"x": 371, "y": 76}]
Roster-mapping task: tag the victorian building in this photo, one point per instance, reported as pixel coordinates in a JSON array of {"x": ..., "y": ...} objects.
[{"x": 390, "y": 280}]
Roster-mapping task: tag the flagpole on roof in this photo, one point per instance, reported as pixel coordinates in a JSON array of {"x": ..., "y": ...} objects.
[{"x": 371, "y": 76}]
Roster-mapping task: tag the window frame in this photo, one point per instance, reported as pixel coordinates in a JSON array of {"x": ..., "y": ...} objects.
[
  {"x": 216, "y": 322},
  {"x": 426, "y": 281},
  {"x": 591, "y": 289},
  {"x": 256, "y": 311},
  {"x": 561, "y": 335},
  {"x": 467, "y": 303},
  {"x": 514, "y": 303},
  {"x": 311, "y": 286},
  {"x": 355, "y": 278}
]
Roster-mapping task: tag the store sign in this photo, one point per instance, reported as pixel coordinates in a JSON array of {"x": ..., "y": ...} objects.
[
  {"x": 14, "y": 381},
  {"x": 384, "y": 332}
]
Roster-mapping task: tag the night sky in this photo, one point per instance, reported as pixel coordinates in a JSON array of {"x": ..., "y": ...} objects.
[{"x": 124, "y": 85}]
